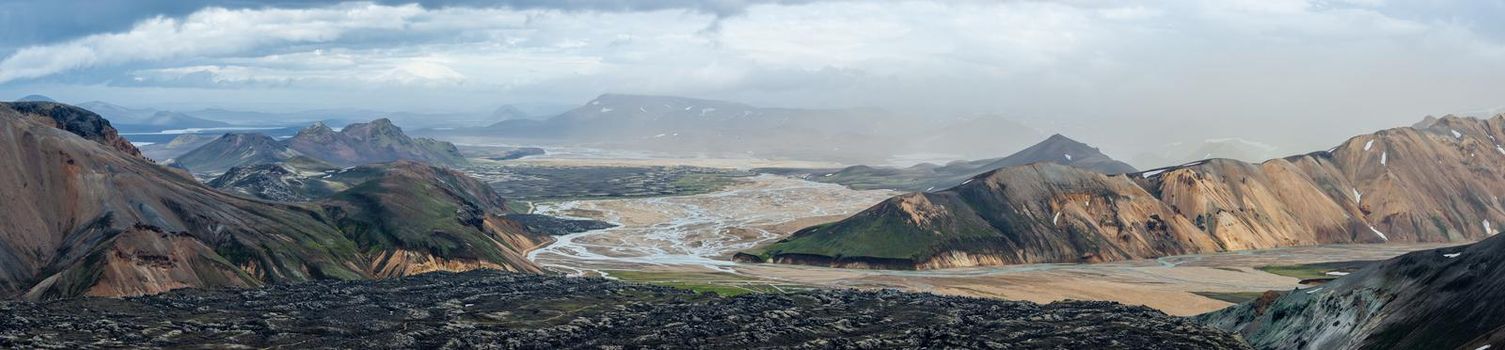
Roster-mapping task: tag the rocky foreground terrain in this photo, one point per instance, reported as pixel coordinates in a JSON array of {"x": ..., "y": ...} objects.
[
  {"x": 1445, "y": 298},
  {"x": 492, "y": 309}
]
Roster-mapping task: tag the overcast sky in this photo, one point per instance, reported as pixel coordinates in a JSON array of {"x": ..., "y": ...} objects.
[{"x": 1264, "y": 69}]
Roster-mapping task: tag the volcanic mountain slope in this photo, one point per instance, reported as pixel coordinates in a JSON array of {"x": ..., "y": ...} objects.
[
  {"x": 489, "y": 309},
  {"x": 235, "y": 149},
  {"x": 1441, "y": 184},
  {"x": 1445, "y": 298},
  {"x": 361, "y": 143},
  {"x": 86, "y": 215},
  {"x": 925, "y": 177}
]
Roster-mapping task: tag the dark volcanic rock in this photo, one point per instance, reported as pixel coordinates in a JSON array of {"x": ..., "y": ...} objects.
[
  {"x": 489, "y": 309},
  {"x": 550, "y": 225}
]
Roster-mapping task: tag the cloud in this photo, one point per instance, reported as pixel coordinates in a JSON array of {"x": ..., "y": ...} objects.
[
  {"x": 1121, "y": 67},
  {"x": 212, "y": 31}
]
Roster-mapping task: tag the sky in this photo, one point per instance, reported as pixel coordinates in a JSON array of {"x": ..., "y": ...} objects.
[{"x": 1133, "y": 74}]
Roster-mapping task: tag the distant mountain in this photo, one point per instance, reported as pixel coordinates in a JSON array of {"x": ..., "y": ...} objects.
[
  {"x": 970, "y": 138},
  {"x": 1430, "y": 299},
  {"x": 509, "y": 112},
  {"x": 180, "y": 120},
  {"x": 85, "y": 214},
  {"x": 233, "y": 150},
  {"x": 926, "y": 177},
  {"x": 362, "y": 143},
  {"x": 148, "y": 120},
  {"x": 177, "y": 147},
  {"x": 376, "y": 142},
  {"x": 1398, "y": 185},
  {"x": 682, "y": 124},
  {"x": 35, "y": 98},
  {"x": 1229, "y": 148}
]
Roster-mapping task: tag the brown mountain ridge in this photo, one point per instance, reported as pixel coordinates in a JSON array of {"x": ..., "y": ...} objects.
[{"x": 1441, "y": 183}]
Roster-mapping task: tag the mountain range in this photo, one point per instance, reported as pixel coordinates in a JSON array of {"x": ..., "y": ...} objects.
[
  {"x": 87, "y": 214},
  {"x": 712, "y": 127},
  {"x": 378, "y": 141},
  {"x": 926, "y": 177},
  {"x": 1438, "y": 184}
]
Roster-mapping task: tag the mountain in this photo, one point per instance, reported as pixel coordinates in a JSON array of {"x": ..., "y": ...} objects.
[
  {"x": 35, "y": 98},
  {"x": 178, "y": 146},
  {"x": 147, "y": 119},
  {"x": 87, "y": 215},
  {"x": 926, "y": 177},
  {"x": 235, "y": 149},
  {"x": 509, "y": 112},
  {"x": 975, "y": 137},
  {"x": 376, "y": 142},
  {"x": 179, "y": 120},
  {"x": 1432, "y": 299},
  {"x": 1439, "y": 184},
  {"x": 1230, "y": 148},
  {"x": 677, "y": 124},
  {"x": 362, "y": 143}
]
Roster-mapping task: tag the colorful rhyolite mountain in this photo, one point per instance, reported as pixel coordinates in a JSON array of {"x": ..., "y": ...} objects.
[
  {"x": 85, "y": 214},
  {"x": 361, "y": 143},
  {"x": 1438, "y": 184}
]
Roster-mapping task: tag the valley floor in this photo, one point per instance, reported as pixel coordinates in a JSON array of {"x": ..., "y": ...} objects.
[{"x": 687, "y": 241}]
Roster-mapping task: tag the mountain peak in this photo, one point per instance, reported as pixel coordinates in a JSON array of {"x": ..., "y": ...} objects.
[{"x": 35, "y": 98}]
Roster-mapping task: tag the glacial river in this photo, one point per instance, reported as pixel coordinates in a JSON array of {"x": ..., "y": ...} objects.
[{"x": 697, "y": 230}]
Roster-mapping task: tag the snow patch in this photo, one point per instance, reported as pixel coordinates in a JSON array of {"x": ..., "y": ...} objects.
[
  {"x": 967, "y": 182},
  {"x": 1453, "y": 255},
  {"x": 605, "y": 110},
  {"x": 1378, "y": 233},
  {"x": 1487, "y": 230},
  {"x": 1384, "y": 157},
  {"x": 1369, "y": 144},
  {"x": 1152, "y": 173},
  {"x": 1337, "y": 273},
  {"x": 1357, "y": 196},
  {"x": 1055, "y": 219},
  {"x": 1068, "y": 156},
  {"x": 1457, "y": 135},
  {"x": 1314, "y": 290}
]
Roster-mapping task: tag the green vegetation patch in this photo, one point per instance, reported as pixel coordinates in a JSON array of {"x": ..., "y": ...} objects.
[
  {"x": 1232, "y": 297},
  {"x": 1317, "y": 270},
  {"x": 721, "y": 283}
]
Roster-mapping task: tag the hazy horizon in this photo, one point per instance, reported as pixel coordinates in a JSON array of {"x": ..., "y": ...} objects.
[{"x": 1130, "y": 77}]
